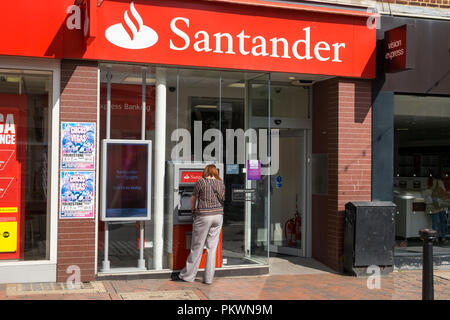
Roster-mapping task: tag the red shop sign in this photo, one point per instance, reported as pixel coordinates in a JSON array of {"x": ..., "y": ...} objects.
[
  {"x": 398, "y": 53},
  {"x": 195, "y": 33}
]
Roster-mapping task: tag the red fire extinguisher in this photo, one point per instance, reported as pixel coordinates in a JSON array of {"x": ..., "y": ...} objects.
[{"x": 293, "y": 227}]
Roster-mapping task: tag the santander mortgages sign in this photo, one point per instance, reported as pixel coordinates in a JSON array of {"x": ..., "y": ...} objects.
[{"x": 209, "y": 34}]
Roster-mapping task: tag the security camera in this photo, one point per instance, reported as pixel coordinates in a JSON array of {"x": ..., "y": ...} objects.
[
  {"x": 172, "y": 89},
  {"x": 277, "y": 90}
]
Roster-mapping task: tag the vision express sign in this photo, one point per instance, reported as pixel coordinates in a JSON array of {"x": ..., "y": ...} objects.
[
  {"x": 399, "y": 51},
  {"x": 211, "y": 34}
]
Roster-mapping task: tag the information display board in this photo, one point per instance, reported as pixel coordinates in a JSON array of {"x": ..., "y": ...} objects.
[{"x": 126, "y": 180}]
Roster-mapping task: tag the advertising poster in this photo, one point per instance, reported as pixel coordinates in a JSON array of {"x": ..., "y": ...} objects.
[
  {"x": 77, "y": 194},
  {"x": 78, "y": 145},
  {"x": 127, "y": 175},
  {"x": 232, "y": 169},
  {"x": 12, "y": 175},
  {"x": 253, "y": 170}
]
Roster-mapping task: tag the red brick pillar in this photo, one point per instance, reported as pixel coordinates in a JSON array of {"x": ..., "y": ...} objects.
[
  {"x": 78, "y": 103},
  {"x": 342, "y": 129}
]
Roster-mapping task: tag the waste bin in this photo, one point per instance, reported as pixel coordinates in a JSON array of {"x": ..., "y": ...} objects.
[{"x": 369, "y": 236}]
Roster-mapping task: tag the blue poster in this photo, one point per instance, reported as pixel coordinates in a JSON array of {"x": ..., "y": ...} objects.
[{"x": 232, "y": 169}]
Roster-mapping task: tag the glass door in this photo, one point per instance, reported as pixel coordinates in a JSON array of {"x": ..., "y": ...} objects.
[{"x": 257, "y": 206}]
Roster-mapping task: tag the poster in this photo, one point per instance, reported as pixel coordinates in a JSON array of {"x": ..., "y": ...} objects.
[
  {"x": 78, "y": 145},
  {"x": 77, "y": 194},
  {"x": 232, "y": 169},
  {"x": 12, "y": 175},
  {"x": 127, "y": 174},
  {"x": 253, "y": 170}
]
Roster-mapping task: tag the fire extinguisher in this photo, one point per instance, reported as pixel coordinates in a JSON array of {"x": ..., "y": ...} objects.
[{"x": 293, "y": 227}]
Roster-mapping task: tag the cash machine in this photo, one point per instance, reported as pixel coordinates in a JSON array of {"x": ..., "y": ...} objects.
[{"x": 182, "y": 177}]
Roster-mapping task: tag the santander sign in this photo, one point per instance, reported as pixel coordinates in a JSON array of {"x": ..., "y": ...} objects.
[
  {"x": 254, "y": 45},
  {"x": 135, "y": 35},
  {"x": 213, "y": 34}
]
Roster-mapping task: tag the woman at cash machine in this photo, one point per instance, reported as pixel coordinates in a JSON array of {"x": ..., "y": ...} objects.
[{"x": 207, "y": 207}]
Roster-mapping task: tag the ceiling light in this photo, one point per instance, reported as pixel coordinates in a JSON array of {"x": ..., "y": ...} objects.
[
  {"x": 205, "y": 106},
  {"x": 13, "y": 79},
  {"x": 302, "y": 82},
  {"x": 137, "y": 80},
  {"x": 237, "y": 85},
  {"x": 242, "y": 85}
]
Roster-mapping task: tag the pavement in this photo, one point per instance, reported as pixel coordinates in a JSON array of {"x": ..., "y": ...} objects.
[{"x": 289, "y": 279}]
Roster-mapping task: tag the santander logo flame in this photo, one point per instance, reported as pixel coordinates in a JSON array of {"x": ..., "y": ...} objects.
[{"x": 133, "y": 34}]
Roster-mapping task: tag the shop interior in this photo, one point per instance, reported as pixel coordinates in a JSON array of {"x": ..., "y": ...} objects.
[
  {"x": 421, "y": 151},
  {"x": 270, "y": 220}
]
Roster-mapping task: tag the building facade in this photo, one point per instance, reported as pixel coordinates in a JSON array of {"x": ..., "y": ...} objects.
[
  {"x": 410, "y": 129},
  {"x": 111, "y": 108}
]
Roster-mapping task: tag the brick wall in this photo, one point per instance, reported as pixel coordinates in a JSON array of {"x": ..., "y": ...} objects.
[
  {"x": 345, "y": 136},
  {"x": 78, "y": 102}
]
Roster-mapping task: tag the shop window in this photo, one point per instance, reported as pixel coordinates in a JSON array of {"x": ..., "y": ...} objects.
[
  {"x": 421, "y": 154},
  {"x": 25, "y": 97},
  {"x": 217, "y": 100},
  {"x": 126, "y": 96}
]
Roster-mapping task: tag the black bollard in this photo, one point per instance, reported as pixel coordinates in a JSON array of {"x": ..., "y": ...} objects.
[{"x": 427, "y": 236}]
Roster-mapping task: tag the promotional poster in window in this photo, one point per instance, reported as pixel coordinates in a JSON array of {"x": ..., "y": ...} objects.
[
  {"x": 77, "y": 194},
  {"x": 78, "y": 145}
]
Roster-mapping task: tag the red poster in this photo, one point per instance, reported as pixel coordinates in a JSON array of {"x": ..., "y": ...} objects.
[{"x": 12, "y": 174}]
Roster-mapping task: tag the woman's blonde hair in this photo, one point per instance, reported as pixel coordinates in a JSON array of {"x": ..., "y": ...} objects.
[{"x": 211, "y": 171}]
